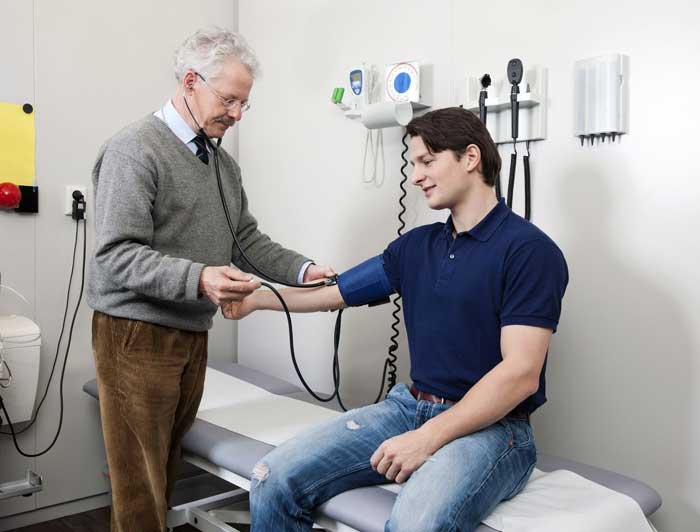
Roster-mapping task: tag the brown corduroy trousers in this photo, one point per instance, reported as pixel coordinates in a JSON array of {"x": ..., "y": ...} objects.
[{"x": 150, "y": 380}]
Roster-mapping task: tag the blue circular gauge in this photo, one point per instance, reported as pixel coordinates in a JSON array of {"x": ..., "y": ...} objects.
[{"x": 402, "y": 82}]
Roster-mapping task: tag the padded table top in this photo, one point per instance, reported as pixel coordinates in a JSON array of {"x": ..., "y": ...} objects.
[{"x": 239, "y": 454}]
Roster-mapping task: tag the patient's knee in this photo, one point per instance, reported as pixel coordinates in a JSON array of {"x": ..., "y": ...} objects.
[
  {"x": 268, "y": 486},
  {"x": 277, "y": 474},
  {"x": 268, "y": 478},
  {"x": 260, "y": 472}
]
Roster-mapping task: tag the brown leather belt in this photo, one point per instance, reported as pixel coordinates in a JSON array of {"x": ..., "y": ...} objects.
[{"x": 424, "y": 396}]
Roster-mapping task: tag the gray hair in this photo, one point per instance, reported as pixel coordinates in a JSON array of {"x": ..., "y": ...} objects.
[{"x": 209, "y": 48}]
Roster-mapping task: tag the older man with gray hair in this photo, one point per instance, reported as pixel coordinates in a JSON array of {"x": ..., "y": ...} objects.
[{"x": 162, "y": 267}]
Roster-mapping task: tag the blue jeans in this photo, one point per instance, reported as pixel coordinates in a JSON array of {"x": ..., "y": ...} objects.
[{"x": 454, "y": 490}]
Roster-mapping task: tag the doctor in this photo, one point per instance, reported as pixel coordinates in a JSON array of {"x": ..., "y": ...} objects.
[{"x": 161, "y": 267}]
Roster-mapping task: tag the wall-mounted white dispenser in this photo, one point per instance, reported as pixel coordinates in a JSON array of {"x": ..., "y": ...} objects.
[
  {"x": 21, "y": 342},
  {"x": 601, "y": 97}
]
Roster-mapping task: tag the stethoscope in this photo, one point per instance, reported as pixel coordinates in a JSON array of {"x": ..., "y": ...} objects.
[{"x": 327, "y": 282}]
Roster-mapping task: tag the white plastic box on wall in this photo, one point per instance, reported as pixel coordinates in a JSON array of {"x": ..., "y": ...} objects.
[
  {"x": 601, "y": 96},
  {"x": 21, "y": 343}
]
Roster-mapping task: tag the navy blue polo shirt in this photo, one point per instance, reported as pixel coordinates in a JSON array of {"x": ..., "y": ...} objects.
[{"x": 458, "y": 292}]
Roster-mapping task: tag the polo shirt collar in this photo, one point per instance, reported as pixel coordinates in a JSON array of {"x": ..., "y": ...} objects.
[{"x": 486, "y": 227}]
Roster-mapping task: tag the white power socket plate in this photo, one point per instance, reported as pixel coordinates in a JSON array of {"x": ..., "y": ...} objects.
[{"x": 68, "y": 206}]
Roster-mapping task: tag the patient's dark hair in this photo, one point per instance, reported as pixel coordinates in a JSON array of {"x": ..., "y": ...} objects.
[{"x": 455, "y": 129}]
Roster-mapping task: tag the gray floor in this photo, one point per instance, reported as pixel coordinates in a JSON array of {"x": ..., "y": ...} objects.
[
  {"x": 94, "y": 521},
  {"x": 194, "y": 485}
]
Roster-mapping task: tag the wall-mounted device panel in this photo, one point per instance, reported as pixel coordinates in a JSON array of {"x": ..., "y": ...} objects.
[
  {"x": 360, "y": 86},
  {"x": 402, "y": 89},
  {"x": 532, "y": 101}
]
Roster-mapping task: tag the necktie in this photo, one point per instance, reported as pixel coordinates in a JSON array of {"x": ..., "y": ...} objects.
[{"x": 202, "y": 151}]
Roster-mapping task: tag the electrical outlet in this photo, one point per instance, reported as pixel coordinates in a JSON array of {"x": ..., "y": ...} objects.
[{"x": 68, "y": 207}]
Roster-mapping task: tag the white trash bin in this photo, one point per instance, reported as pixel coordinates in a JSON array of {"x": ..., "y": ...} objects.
[{"x": 20, "y": 341}]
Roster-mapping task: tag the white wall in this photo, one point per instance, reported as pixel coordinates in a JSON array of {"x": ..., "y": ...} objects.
[
  {"x": 624, "y": 376},
  {"x": 90, "y": 68},
  {"x": 17, "y": 232}
]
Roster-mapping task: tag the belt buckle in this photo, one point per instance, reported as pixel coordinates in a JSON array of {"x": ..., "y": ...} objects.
[{"x": 422, "y": 396}]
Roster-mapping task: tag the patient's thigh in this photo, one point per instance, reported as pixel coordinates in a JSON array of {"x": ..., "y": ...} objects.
[
  {"x": 464, "y": 480},
  {"x": 334, "y": 456}
]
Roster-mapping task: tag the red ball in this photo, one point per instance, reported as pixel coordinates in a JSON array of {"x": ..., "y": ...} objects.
[{"x": 10, "y": 195}]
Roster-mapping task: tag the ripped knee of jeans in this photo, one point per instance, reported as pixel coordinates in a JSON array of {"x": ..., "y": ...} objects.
[
  {"x": 261, "y": 471},
  {"x": 352, "y": 425}
]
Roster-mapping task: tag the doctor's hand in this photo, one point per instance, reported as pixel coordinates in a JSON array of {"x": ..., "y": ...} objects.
[
  {"x": 399, "y": 457},
  {"x": 315, "y": 272},
  {"x": 222, "y": 284}
]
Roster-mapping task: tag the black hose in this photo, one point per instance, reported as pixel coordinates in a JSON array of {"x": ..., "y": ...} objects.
[
  {"x": 63, "y": 369},
  {"x": 233, "y": 232},
  {"x": 58, "y": 345},
  {"x": 336, "y": 343},
  {"x": 526, "y": 168},
  {"x": 511, "y": 178}
]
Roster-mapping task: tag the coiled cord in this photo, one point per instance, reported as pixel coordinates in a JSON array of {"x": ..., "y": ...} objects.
[{"x": 392, "y": 357}]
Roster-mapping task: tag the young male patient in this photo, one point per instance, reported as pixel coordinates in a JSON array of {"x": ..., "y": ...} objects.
[{"x": 482, "y": 297}]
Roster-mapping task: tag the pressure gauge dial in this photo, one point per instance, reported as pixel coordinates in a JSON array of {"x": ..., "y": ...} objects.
[{"x": 402, "y": 82}]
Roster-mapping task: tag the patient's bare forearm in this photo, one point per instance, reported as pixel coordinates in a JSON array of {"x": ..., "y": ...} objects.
[{"x": 300, "y": 299}]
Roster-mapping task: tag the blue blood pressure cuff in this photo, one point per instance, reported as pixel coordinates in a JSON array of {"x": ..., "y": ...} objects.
[{"x": 365, "y": 284}]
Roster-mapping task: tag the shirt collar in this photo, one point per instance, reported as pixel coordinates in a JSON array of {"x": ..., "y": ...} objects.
[
  {"x": 176, "y": 123},
  {"x": 486, "y": 227}
]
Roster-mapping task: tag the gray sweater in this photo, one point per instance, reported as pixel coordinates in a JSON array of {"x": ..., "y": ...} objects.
[{"x": 159, "y": 221}]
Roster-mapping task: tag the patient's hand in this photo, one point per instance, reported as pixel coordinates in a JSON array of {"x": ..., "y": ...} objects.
[
  {"x": 237, "y": 310},
  {"x": 399, "y": 457}
]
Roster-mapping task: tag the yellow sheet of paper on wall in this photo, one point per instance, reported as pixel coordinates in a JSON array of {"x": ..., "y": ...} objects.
[{"x": 16, "y": 144}]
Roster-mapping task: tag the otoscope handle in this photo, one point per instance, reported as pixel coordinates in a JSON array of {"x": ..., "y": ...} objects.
[
  {"x": 482, "y": 106},
  {"x": 511, "y": 179},
  {"x": 514, "y": 111},
  {"x": 526, "y": 167}
]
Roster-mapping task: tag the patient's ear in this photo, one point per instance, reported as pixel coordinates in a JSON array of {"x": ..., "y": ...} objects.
[{"x": 471, "y": 158}]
